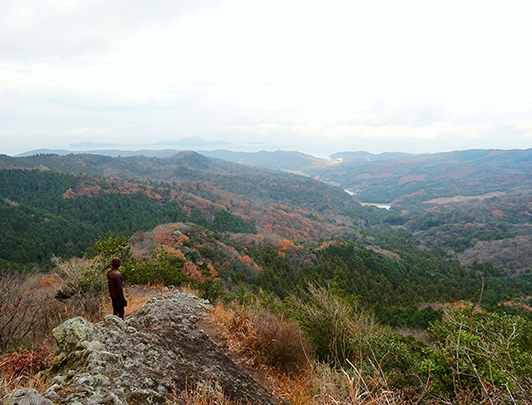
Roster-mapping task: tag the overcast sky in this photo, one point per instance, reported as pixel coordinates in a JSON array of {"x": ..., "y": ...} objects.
[{"x": 314, "y": 76}]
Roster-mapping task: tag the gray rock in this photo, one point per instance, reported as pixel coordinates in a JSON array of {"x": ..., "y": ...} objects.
[
  {"x": 25, "y": 396},
  {"x": 70, "y": 334},
  {"x": 157, "y": 351},
  {"x": 52, "y": 395}
]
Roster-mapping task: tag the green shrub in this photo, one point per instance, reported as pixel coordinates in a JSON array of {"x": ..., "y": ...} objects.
[
  {"x": 211, "y": 290},
  {"x": 83, "y": 280},
  {"x": 478, "y": 352},
  {"x": 331, "y": 324},
  {"x": 161, "y": 267},
  {"x": 106, "y": 248}
]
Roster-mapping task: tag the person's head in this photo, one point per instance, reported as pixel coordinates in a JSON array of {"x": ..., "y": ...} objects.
[{"x": 115, "y": 262}]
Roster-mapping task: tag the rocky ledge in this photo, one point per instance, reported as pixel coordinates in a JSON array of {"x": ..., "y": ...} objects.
[{"x": 155, "y": 354}]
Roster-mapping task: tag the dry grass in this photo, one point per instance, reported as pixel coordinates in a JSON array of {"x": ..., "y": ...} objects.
[
  {"x": 306, "y": 381},
  {"x": 8, "y": 385},
  {"x": 20, "y": 369},
  {"x": 262, "y": 337}
]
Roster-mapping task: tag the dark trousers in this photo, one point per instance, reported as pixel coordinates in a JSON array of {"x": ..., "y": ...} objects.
[{"x": 118, "y": 308}]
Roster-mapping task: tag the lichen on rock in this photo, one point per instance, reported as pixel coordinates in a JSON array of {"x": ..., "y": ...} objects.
[{"x": 141, "y": 360}]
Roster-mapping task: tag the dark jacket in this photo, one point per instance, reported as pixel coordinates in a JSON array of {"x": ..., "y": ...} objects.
[{"x": 115, "y": 282}]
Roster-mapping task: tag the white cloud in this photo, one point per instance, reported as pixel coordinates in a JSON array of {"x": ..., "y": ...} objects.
[{"x": 440, "y": 75}]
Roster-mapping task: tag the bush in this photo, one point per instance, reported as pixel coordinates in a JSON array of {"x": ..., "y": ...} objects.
[
  {"x": 331, "y": 324},
  {"x": 264, "y": 337},
  {"x": 479, "y": 353},
  {"x": 211, "y": 290},
  {"x": 28, "y": 309},
  {"x": 161, "y": 267},
  {"x": 84, "y": 281},
  {"x": 277, "y": 342},
  {"x": 25, "y": 362}
]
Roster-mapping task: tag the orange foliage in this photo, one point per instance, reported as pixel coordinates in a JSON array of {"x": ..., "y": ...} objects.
[
  {"x": 246, "y": 260},
  {"x": 285, "y": 244},
  {"x": 164, "y": 235},
  {"x": 51, "y": 281},
  {"x": 497, "y": 214},
  {"x": 182, "y": 239},
  {"x": 82, "y": 190},
  {"x": 129, "y": 188},
  {"x": 325, "y": 244},
  {"x": 69, "y": 194},
  {"x": 211, "y": 269},
  {"x": 191, "y": 271},
  {"x": 173, "y": 252}
]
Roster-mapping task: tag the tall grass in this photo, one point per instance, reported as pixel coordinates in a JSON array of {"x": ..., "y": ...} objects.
[
  {"x": 300, "y": 379},
  {"x": 331, "y": 324}
]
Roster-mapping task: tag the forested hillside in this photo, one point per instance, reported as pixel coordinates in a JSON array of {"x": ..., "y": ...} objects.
[
  {"x": 474, "y": 206},
  {"x": 58, "y": 204}
]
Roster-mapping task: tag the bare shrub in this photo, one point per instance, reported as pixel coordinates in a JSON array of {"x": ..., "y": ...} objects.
[
  {"x": 265, "y": 338},
  {"x": 83, "y": 286},
  {"x": 28, "y": 309}
]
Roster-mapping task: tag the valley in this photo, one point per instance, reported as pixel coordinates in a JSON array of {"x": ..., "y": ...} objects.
[{"x": 454, "y": 236}]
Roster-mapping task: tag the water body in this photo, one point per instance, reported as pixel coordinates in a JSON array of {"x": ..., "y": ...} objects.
[{"x": 378, "y": 205}]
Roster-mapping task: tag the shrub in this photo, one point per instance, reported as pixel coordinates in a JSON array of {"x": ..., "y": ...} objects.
[
  {"x": 84, "y": 282},
  {"x": 160, "y": 267},
  {"x": 480, "y": 353},
  {"x": 211, "y": 290},
  {"x": 264, "y": 337},
  {"x": 105, "y": 248},
  {"x": 28, "y": 309},
  {"x": 25, "y": 362},
  {"x": 276, "y": 341},
  {"x": 331, "y": 324}
]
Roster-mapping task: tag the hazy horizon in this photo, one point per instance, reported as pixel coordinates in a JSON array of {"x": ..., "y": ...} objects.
[
  {"x": 117, "y": 148},
  {"x": 314, "y": 77}
]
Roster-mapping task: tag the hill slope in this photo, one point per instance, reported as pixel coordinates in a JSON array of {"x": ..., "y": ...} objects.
[{"x": 58, "y": 204}]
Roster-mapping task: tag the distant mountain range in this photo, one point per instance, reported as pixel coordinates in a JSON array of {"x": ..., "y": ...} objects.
[
  {"x": 395, "y": 178},
  {"x": 406, "y": 178}
]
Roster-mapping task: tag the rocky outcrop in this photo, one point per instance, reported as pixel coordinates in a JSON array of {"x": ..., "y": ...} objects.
[
  {"x": 152, "y": 355},
  {"x": 25, "y": 396}
]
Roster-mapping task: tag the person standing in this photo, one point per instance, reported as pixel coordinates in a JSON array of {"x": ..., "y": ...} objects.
[{"x": 116, "y": 290}]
